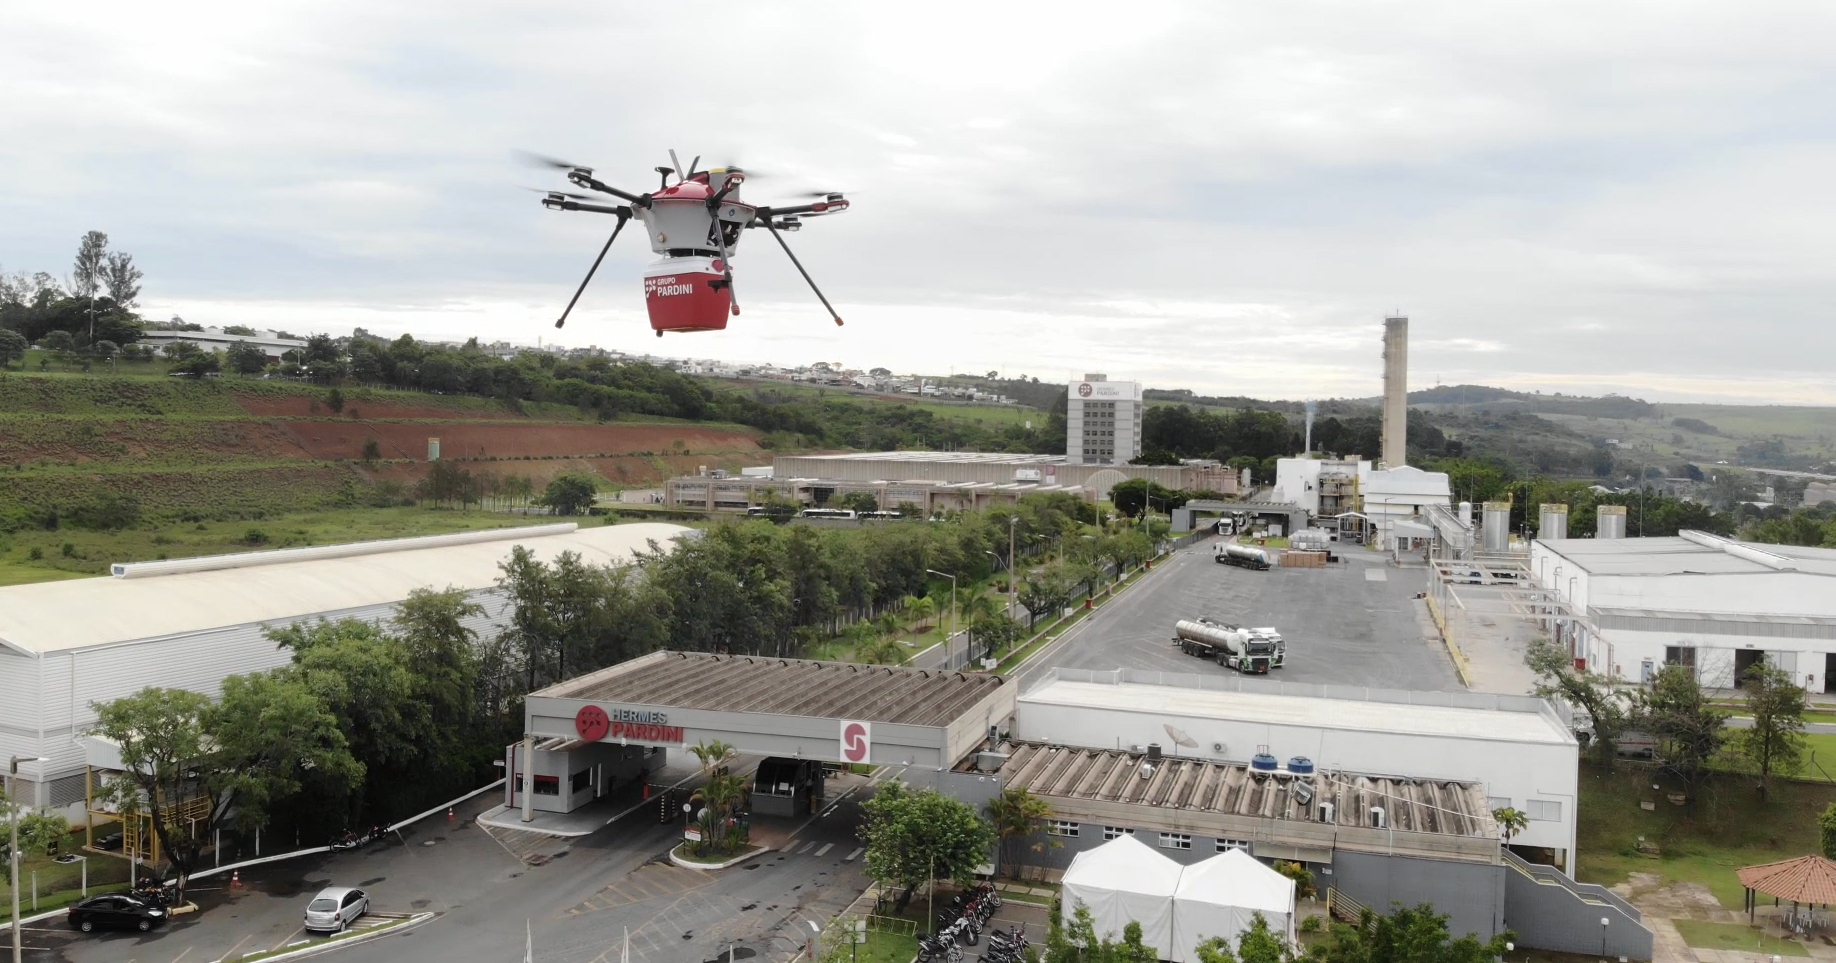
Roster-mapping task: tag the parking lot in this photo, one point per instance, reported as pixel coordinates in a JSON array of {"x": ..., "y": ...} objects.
[{"x": 1355, "y": 622}]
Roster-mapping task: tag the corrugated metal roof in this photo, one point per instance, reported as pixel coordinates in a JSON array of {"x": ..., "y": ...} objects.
[
  {"x": 53, "y": 616},
  {"x": 1199, "y": 785},
  {"x": 823, "y": 690}
]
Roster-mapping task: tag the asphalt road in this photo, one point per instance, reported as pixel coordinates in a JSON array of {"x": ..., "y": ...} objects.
[{"x": 1351, "y": 623}]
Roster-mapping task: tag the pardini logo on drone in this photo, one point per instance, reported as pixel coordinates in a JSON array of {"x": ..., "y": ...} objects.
[{"x": 664, "y": 287}]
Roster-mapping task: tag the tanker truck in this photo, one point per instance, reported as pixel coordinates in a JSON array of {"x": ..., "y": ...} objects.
[
  {"x": 1228, "y": 645},
  {"x": 1242, "y": 556}
]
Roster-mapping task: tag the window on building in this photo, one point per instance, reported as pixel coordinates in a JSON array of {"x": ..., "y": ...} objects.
[
  {"x": 1545, "y": 810},
  {"x": 1226, "y": 845},
  {"x": 548, "y": 785},
  {"x": 1679, "y": 655},
  {"x": 1061, "y": 827},
  {"x": 1175, "y": 841},
  {"x": 1495, "y": 803},
  {"x": 581, "y": 781},
  {"x": 1112, "y": 832}
]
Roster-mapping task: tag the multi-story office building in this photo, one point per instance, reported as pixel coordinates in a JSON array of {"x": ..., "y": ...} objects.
[{"x": 1103, "y": 421}]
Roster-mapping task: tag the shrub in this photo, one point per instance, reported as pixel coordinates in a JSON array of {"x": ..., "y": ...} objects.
[
  {"x": 36, "y": 554},
  {"x": 69, "y": 550},
  {"x": 1310, "y": 925},
  {"x": 255, "y": 536}
]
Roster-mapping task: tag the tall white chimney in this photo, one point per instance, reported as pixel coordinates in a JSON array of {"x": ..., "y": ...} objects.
[{"x": 1395, "y": 392}]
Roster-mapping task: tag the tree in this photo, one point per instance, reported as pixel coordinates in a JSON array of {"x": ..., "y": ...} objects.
[
  {"x": 13, "y": 346},
  {"x": 1131, "y": 497},
  {"x": 182, "y": 349},
  {"x": 245, "y": 358},
  {"x": 335, "y": 401},
  {"x": 571, "y": 493},
  {"x": 239, "y": 757},
  {"x": 104, "y": 350},
  {"x": 1510, "y": 821},
  {"x": 1591, "y": 692},
  {"x": 42, "y": 833},
  {"x": 917, "y": 835},
  {"x": 1775, "y": 741},
  {"x": 995, "y": 633},
  {"x": 858, "y": 502},
  {"x": 86, "y": 272},
  {"x": 1688, "y": 731},
  {"x": 239, "y": 329},
  {"x": 122, "y": 279},
  {"x": 1257, "y": 944},
  {"x": 199, "y": 364},
  {"x": 1406, "y": 935},
  {"x": 60, "y": 343},
  {"x": 1016, "y": 814},
  {"x": 1826, "y": 831},
  {"x": 360, "y": 675},
  {"x": 440, "y": 652}
]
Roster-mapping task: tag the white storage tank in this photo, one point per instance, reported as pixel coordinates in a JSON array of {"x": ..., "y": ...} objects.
[
  {"x": 1552, "y": 521},
  {"x": 1610, "y": 521}
]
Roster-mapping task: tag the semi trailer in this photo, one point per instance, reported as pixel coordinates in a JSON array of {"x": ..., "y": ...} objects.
[
  {"x": 1242, "y": 556},
  {"x": 1231, "y": 646}
]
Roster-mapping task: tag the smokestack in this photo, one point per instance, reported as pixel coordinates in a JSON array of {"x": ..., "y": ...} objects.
[
  {"x": 1395, "y": 392},
  {"x": 1309, "y": 442},
  {"x": 1610, "y": 521},
  {"x": 1552, "y": 521}
]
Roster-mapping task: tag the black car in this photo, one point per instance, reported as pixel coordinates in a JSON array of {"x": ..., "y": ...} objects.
[{"x": 115, "y": 911}]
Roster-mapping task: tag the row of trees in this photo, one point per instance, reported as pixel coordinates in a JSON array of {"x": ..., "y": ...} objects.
[
  {"x": 1408, "y": 934},
  {"x": 1690, "y": 731},
  {"x": 366, "y": 721},
  {"x": 94, "y": 302}
]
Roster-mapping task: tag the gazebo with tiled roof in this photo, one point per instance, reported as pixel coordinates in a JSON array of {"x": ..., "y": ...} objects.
[{"x": 1806, "y": 880}]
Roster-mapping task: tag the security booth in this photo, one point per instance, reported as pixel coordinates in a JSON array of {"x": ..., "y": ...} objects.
[
  {"x": 788, "y": 787},
  {"x": 569, "y": 773}
]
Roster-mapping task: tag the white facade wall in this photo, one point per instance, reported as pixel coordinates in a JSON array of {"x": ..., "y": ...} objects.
[
  {"x": 45, "y": 701},
  {"x": 1103, "y": 416},
  {"x": 1715, "y": 613},
  {"x": 1514, "y": 773}
]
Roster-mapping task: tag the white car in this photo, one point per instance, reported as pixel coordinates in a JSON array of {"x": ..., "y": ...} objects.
[{"x": 335, "y": 909}]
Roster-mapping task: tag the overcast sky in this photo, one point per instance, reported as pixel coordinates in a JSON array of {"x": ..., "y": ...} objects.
[{"x": 1227, "y": 197}]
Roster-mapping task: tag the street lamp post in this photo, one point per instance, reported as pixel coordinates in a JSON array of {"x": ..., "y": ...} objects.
[
  {"x": 12, "y": 853},
  {"x": 953, "y": 614}
]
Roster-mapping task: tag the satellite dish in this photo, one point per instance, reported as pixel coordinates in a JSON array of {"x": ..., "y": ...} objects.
[{"x": 1179, "y": 736}]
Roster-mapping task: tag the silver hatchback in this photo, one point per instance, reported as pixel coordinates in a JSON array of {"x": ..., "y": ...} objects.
[{"x": 335, "y": 908}]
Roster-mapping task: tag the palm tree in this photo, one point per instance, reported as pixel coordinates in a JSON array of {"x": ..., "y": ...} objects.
[
  {"x": 1510, "y": 821},
  {"x": 712, "y": 754},
  {"x": 1016, "y": 813},
  {"x": 722, "y": 796},
  {"x": 884, "y": 652},
  {"x": 920, "y": 609}
]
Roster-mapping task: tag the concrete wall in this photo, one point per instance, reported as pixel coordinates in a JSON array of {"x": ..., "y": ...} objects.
[
  {"x": 601, "y": 766},
  {"x": 1551, "y": 912},
  {"x": 1471, "y": 894}
]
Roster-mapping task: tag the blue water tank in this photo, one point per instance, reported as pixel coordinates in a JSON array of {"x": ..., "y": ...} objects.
[
  {"x": 1300, "y": 764},
  {"x": 1264, "y": 762}
]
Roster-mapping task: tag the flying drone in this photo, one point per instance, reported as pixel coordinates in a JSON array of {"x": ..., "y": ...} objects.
[{"x": 694, "y": 224}]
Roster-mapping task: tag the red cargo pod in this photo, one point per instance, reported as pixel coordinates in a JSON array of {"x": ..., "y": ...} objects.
[{"x": 681, "y": 297}]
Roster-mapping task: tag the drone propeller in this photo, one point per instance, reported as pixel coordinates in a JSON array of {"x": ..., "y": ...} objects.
[
  {"x": 541, "y": 160},
  {"x": 577, "y": 197}
]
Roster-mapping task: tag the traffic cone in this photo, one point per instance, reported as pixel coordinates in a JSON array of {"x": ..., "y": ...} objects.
[
  {"x": 236, "y": 878},
  {"x": 449, "y": 814}
]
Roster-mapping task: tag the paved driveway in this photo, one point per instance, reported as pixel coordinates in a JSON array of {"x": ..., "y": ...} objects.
[{"x": 1351, "y": 623}]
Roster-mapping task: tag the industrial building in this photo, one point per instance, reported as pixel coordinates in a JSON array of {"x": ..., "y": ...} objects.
[
  {"x": 190, "y": 623},
  {"x": 932, "y": 480},
  {"x": 1399, "y": 509},
  {"x": 1630, "y": 605},
  {"x": 216, "y": 339},
  {"x": 1517, "y": 749},
  {"x": 1103, "y": 421}
]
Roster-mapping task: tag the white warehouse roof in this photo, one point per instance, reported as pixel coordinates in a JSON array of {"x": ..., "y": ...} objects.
[
  {"x": 1691, "y": 554},
  {"x": 1325, "y": 713},
  {"x": 275, "y": 586}
]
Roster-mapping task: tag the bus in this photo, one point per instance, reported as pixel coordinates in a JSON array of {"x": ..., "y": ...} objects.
[{"x": 825, "y": 513}]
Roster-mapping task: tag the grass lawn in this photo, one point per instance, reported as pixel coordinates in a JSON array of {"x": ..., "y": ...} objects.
[
  {"x": 74, "y": 553},
  {"x": 1736, "y": 936},
  {"x": 884, "y": 947},
  {"x": 59, "y": 883},
  {"x": 1730, "y": 829}
]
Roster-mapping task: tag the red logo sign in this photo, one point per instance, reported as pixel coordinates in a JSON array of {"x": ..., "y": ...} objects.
[
  {"x": 591, "y": 722},
  {"x": 856, "y": 741},
  {"x": 1084, "y": 390}
]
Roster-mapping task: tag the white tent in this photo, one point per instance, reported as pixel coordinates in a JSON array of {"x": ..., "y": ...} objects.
[
  {"x": 1217, "y": 897},
  {"x": 1124, "y": 880}
]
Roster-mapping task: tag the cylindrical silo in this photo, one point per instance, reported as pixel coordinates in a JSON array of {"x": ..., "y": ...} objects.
[
  {"x": 1552, "y": 521},
  {"x": 1466, "y": 514},
  {"x": 1497, "y": 521},
  {"x": 1610, "y": 521}
]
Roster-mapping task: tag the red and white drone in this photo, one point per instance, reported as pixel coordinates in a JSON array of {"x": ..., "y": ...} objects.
[{"x": 694, "y": 224}]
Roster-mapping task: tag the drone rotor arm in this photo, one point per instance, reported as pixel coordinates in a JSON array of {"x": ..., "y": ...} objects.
[{"x": 583, "y": 178}]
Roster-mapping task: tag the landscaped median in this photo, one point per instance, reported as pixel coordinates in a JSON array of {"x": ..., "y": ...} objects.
[
  {"x": 683, "y": 858},
  {"x": 393, "y": 924}
]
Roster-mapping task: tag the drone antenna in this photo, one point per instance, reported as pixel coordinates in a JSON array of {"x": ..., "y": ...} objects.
[
  {"x": 673, "y": 162},
  {"x": 694, "y": 164},
  {"x": 773, "y": 228},
  {"x": 624, "y": 214}
]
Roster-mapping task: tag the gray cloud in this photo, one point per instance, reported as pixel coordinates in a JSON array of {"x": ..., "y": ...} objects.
[{"x": 1225, "y": 197}]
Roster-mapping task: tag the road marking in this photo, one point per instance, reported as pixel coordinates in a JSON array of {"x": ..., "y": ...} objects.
[
  {"x": 232, "y": 950},
  {"x": 806, "y": 848},
  {"x": 851, "y": 856},
  {"x": 825, "y": 848},
  {"x": 181, "y": 956}
]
